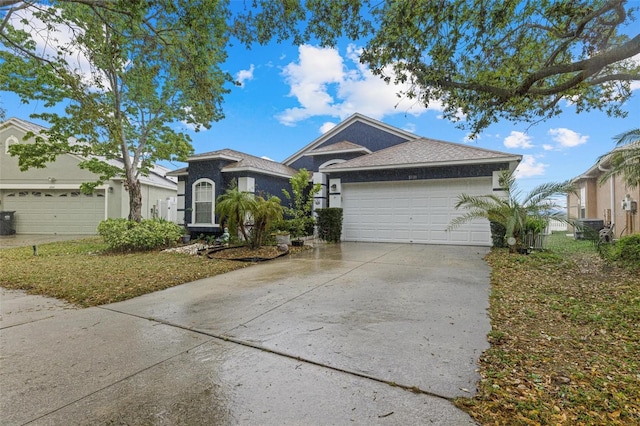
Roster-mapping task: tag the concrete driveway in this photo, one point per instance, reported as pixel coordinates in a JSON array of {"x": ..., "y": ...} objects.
[{"x": 352, "y": 333}]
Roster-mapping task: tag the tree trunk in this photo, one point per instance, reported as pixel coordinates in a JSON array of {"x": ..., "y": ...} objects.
[{"x": 135, "y": 199}]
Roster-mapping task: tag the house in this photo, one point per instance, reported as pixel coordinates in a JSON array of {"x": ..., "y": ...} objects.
[
  {"x": 49, "y": 200},
  {"x": 604, "y": 204},
  {"x": 392, "y": 185}
]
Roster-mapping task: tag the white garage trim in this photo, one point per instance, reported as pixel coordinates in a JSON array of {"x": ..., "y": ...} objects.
[{"x": 412, "y": 212}]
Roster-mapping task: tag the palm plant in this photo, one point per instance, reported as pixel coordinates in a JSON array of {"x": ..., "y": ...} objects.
[
  {"x": 625, "y": 159},
  {"x": 265, "y": 212},
  {"x": 236, "y": 206},
  {"x": 516, "y": 213}
]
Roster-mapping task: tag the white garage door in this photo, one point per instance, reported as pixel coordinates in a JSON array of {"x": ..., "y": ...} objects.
[
  {"x": 412, "y": 212},
  {"x": 55, "y": 211}
]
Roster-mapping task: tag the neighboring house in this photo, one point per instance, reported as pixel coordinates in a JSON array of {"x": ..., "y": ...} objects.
[
  {"x": 49, "y": 200},
  {"x": 392, "y": 185},
  {"x": 611, "y": 202}
]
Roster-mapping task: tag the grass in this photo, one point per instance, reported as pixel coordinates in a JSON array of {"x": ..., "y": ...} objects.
[
  {"x": 83, "y": 273},
  {"x": 565, "y": 345}
]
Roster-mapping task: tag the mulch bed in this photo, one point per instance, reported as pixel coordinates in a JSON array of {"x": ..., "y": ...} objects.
[{"x": 246, "y": 254}]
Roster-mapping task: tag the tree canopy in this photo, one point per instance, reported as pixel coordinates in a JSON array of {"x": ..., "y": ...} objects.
[
  {"x": 624, "y": 160},
  {"x": 125, "y": 71},
  {"x": 484, "y": 60}
]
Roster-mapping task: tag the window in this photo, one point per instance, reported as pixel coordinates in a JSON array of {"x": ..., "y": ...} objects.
[
  {"x": 8, "y": 142},
  {"x": 203, "y": 201}
]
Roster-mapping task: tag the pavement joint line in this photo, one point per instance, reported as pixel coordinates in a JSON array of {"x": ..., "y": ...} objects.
[
  {"x": 413, "y": 389},
  {"x": 247, "y": 344},
  {"x": 308, "y": 291},
  {"x": 26, "y": 322},
  {"x": 114, "y": 383}
]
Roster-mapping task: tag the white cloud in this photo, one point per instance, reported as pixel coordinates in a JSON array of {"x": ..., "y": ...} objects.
[
  {"x": 327, "y": 126},
  {"x": 547, "y": 147},
  {"x": 245, "y": 75},
  {"x": 264, "y": 157},
  {"x": 529, "y": 167},
  {"x": 518, "y": 140},
  {"x": 410, "y": 127},
  {"x": 325, "y": 83},
  {"x": 567, "y": 138},
  {"x": 635, "y": 85}
]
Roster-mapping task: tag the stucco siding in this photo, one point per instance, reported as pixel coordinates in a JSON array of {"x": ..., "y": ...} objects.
[
  {"x": 466, "y": 171},
  {"x": 359, "y": 133}
]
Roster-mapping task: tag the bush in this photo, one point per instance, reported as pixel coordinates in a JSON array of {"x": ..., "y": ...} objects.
[
  {"x": 330, "y": 224},
  {"x": 498, "y": 232},
  {"x": 149, "y": 234},
  {"x": 626, "y": 252}
]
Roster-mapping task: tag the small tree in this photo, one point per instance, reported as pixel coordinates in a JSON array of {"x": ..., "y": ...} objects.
[
  {"x": 515, "y": 213},
  {"x": 300, "y": 202},
  {"x": 247, "y": 214},
  {"x": 235, "y": 206},
  {"x": 265, "y": 212}
]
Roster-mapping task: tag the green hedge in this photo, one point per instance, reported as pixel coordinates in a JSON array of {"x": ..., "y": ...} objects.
[
  {"x": 330, "y": 224},
  {"x": 149, "y": 234},
  {"x": 626, "y": 251}
]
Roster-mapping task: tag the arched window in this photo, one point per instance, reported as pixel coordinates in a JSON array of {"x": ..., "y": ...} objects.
[
  {"x": 8, "y": 142},
  {"x": 203, "y": 204}
]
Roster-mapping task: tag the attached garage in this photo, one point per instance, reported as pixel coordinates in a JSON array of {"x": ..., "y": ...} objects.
[
  {"x": 416, "y": 211},
  {"x": 56, "y": 211},
  {"x": 407, "y": 193}
]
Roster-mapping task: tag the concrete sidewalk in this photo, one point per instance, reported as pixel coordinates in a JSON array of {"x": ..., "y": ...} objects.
[{"x": 331, "y": 336}]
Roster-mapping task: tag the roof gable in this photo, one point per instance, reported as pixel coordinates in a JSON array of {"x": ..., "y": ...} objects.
[
  {"x": 157, "y": 174},
  {"x": 338, "y": 148},
  {"x": 355, "y": 118},
  {"x": 240, "y": 161},
  {"x": 423, "y": 152}
]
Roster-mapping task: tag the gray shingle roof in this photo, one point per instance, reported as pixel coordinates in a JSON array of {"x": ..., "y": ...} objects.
[
  {"x": 423, "y": 152},
  {"x": 244, "y": 161},
  {"x": 344, "y": 146}
]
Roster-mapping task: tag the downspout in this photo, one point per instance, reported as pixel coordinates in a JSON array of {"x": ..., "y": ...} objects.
[{"x": 612, "y": 192}]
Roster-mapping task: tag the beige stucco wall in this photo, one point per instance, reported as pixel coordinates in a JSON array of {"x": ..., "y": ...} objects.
[
  {"x": 64, "y": 170},
  {"x": 64, "y": 173},
  {"x": 604, "y": 199}
]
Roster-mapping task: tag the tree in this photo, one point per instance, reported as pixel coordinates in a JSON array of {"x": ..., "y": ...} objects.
[
  {"x": 625, "y": 159},
  {"x": 484, "y": 60},
  {"x": 300, "y": 201},
  {"x": 144, "y": 65},
  {"x": 516, "y": 213},
  {"x": 266, "y": 211},
  {"x": 248, "y": 214},
  {"x": 236, "y": 206}
]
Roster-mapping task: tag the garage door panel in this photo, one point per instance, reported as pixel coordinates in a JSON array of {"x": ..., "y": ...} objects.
[
  {"x": 55, "y": 211},
  {"x": 415, "y": 211}
]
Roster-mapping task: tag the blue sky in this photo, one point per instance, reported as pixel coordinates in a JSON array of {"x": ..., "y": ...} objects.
[{"x": 289, "y": 95}]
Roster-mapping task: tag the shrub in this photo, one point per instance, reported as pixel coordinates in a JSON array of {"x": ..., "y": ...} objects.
[
  {"x": 149, "y": 234},
  {"x": 626, "y": 252},
  {"x": 330, "y": 224},
  {"x": 498, "y": 232}
]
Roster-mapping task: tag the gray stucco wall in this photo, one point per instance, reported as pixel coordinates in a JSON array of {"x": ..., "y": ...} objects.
[
  {"x": 465, "y": 171},
  {"x": 360, "y": 133},
  {"x": 210, "y": 169}
]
